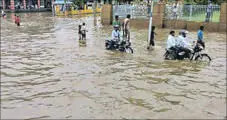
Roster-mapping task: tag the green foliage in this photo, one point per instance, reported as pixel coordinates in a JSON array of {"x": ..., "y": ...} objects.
[
  {"x": 77, "y": 2},
  {"x": 203, "y": 2}
]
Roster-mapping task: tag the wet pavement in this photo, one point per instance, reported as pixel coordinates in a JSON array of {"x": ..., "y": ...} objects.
[{"x": 47, "y": 73}]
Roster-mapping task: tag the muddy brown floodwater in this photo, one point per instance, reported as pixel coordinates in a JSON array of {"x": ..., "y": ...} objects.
[{"x": 47, "y": 73}]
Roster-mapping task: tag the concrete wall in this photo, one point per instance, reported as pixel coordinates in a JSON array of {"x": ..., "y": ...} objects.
[
  {"x": 138, "y": 23},
  {"x": 222, "y": 25},
  {"x": 190, "y": 25},
  {"x": 158, "y": 15},
  {"x": 106, "y": 14}
]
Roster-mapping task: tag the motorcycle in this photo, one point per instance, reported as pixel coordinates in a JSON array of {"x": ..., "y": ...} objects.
[
  {"x": 123, "y": 46},
  {"x": 195, "y": 54}
]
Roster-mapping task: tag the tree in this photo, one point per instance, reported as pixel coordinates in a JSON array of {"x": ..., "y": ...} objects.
[{"x": 77, "y": 2}]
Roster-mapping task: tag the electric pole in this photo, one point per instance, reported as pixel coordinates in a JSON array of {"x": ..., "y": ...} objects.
[{"x": 150, "y": 23}]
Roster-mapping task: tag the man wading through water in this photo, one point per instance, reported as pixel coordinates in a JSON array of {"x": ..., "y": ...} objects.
[
  {"x": 117, "y": 22},
  {"x": 125, "y": 25}
]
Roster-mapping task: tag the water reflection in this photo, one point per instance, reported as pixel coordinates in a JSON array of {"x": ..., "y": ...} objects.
[
  {"x": 82, "y": 43},
  {"x": 46, "y": 72}
]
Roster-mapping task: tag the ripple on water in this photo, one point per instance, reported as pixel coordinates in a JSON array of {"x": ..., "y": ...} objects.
[{"x": 47, "y": 73}]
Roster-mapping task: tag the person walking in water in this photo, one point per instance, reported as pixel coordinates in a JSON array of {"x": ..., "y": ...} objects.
[
  {"x": 126, "y": 31},
  {"x": 15, "y": 19},
  {"x": 18, "y": 20},
  {"x": 152, "y": 38},
  {"x": 117, "y": 22},
  {"x": 79, "y": 32},
  {"x": 200, "y": 36},
  {"x": 83, "y": 31}
]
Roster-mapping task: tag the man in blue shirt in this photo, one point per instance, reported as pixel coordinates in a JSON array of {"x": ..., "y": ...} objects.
[{"x": 200, "y": 36}]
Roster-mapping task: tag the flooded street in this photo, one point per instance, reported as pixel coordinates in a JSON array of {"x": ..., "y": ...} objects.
[{"x": 47, "y": 73}]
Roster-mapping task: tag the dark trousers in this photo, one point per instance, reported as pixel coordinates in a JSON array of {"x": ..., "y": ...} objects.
[
  {"x": 173, "y": 48},
  {"x": 202, "y": 43},
  {"x": 208, "y": 17},
  {"x": 152, "y": 42},
  {"x": 83, "y": 34},
  {"x": 80, "y": 35},
  {"x": 186, "y": 50}
]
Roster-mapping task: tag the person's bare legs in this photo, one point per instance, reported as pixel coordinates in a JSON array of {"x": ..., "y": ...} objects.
[{"x": 128, "y": 35}]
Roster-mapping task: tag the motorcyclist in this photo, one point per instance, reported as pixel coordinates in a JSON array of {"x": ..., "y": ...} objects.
[
  {"x": 171, "y": 41},
  {"x": 182, "y": 43},
  {"x": 116, "y": 33}
]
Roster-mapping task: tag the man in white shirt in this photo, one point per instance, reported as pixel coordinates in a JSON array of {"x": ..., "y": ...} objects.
[
  {"x": 83, "y": 31},
  {"x": 171, "y": 41},
  {"x": 182, "y": 40},
  {"x": 182, "y": 43},
  {"x": 116, "y": 33}
]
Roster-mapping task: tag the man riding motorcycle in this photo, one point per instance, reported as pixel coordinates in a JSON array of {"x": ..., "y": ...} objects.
[
  {"x": 171, "y": 41},
  {"x": 116, "y": 33},
  {"x": 183, "y": 44},
  {"x": 116, "y": 43},
  {"x": 115, "y": 36}
]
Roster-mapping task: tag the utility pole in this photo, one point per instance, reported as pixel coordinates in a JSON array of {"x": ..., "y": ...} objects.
[
  {"x": 95, "y": 6},
  {"x": 64, "y": 8},
  {"x": 94, "y": 12},
  {"x": 53, "y": 7},
  {"x": 150, "y": 24}
]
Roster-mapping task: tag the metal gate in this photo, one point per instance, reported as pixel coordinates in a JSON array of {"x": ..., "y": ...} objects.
[
  {"x": 136, "y": 11},
  {"x": 198, "y": 13}
]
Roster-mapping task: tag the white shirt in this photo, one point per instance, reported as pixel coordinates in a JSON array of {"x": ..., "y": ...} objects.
[
  {"x": 175, "y": 9},
  {"x": 83, "y": 28},
  {"x": 115, "y": 35},
  {"x": 209, "y": 8},
  {"x": 182, "y": 42},
  {"x": 171, "y": 42}
]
